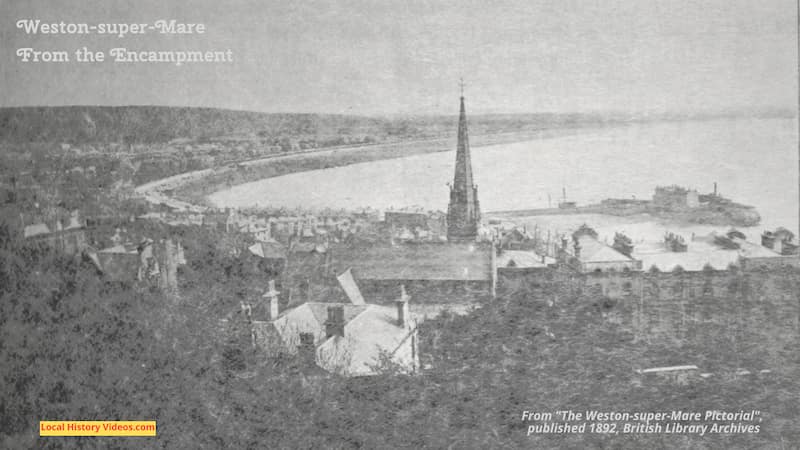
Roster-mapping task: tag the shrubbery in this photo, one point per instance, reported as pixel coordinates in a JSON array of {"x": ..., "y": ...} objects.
[{"x": 74, "y": 348}]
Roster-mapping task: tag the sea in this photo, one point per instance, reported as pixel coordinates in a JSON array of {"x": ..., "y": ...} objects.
[{"x": 754, "y": 161}]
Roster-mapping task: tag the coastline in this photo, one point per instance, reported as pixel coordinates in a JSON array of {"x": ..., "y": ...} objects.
[{"x": 194, "y": 188}]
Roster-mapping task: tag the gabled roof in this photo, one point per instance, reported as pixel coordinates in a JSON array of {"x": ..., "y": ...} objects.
[
  {"x": 350, "y": 287},
  {"x": 522, "y": 259},
  {"x": 370, "y": 332},
  {"x": 314, "y": 314},
  {"x": 320, "y": 311},
  {"x": 367, "y": 337},
  {"x": 268, "y": 250},
  {"x": 751, "y": 250},
  {"x": 594, "y": 251}
]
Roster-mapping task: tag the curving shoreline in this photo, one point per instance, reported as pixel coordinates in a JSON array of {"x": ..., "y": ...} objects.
[{"x": 189, "y": 191}]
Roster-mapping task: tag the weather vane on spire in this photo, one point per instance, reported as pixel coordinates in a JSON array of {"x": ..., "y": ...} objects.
[{"x": 461, "y": 84}]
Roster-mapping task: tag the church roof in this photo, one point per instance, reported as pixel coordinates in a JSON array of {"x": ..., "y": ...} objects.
[{"x": 445, "y": 261}]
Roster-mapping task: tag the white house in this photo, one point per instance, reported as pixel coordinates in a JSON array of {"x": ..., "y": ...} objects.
[{"x": 348, "y": 339}]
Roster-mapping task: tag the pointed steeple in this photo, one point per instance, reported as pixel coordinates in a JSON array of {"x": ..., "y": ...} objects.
[
  {"x": 463, "y": 175},
  {"x": 463, "y": 211}
]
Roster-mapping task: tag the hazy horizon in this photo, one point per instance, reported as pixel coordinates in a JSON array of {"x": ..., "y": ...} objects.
[
  {"x": 678, "y": 114},
  {"x": 366, "y": 58}
]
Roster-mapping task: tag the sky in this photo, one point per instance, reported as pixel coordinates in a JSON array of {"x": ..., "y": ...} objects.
[{"x": 371, "y": 57}]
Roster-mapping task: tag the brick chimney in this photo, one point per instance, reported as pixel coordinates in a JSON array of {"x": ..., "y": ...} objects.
[
  {"x": 271, "y": 300},
  {"x": 334, "y": 326},
  {"x": 402, "y": 307},
  {"x": 306, "y": 350}
]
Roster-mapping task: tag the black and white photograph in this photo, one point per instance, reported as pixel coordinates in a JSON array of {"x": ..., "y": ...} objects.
[{"x": 400, "y": 224}]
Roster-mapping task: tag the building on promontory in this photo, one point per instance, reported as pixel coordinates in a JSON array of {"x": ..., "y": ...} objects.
[
  {"x": 675, "y": 197},
  {"x": 463, "y": 211}
]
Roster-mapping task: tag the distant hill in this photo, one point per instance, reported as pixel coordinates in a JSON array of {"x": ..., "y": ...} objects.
[
  {"x": 151, "y": 124},
  {"x": 160, "y": 124}
]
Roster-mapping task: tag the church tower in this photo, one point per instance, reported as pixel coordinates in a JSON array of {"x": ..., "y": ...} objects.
[{"x": 463, "y": 212}]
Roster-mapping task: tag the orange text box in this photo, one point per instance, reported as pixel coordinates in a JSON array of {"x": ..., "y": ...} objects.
[{"x": 97, "y": 428}]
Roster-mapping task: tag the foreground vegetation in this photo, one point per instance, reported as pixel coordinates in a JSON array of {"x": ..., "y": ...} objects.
[{"x": 74, "y": 347}]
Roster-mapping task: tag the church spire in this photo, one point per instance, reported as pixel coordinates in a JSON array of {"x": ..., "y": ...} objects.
[
  {"x": 463, "y": 211},
  {"x": 463, "y": 175}
]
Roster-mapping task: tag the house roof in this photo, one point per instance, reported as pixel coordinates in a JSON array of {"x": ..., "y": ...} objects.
[
  {"x": 35, "y": 230},
  {"x": 445, "y": 261},
  {"x": 594, "y": 251},
  {"x": 268, "y": 250},
  {"x": 698, "y": 255},
  {"x": 522, "y": 259},
  {"x": 320, "y": 311},
  {"x": 367, "y": 337},
  {"x": 350, "y": 287},
  {"x": 309, "y": 317},
  {"x": 752, "y": 250},
  {"x": 92, "y": 254},
  {"x": 701, "y": 252},
  {"x": 73, "y": 223}
]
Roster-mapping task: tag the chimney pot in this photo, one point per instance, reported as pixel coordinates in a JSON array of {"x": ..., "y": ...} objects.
[
  {"x": 272, "y": 300},
  {"x": 334, "y": 326},
  {"x": 402, "y": 307}
]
